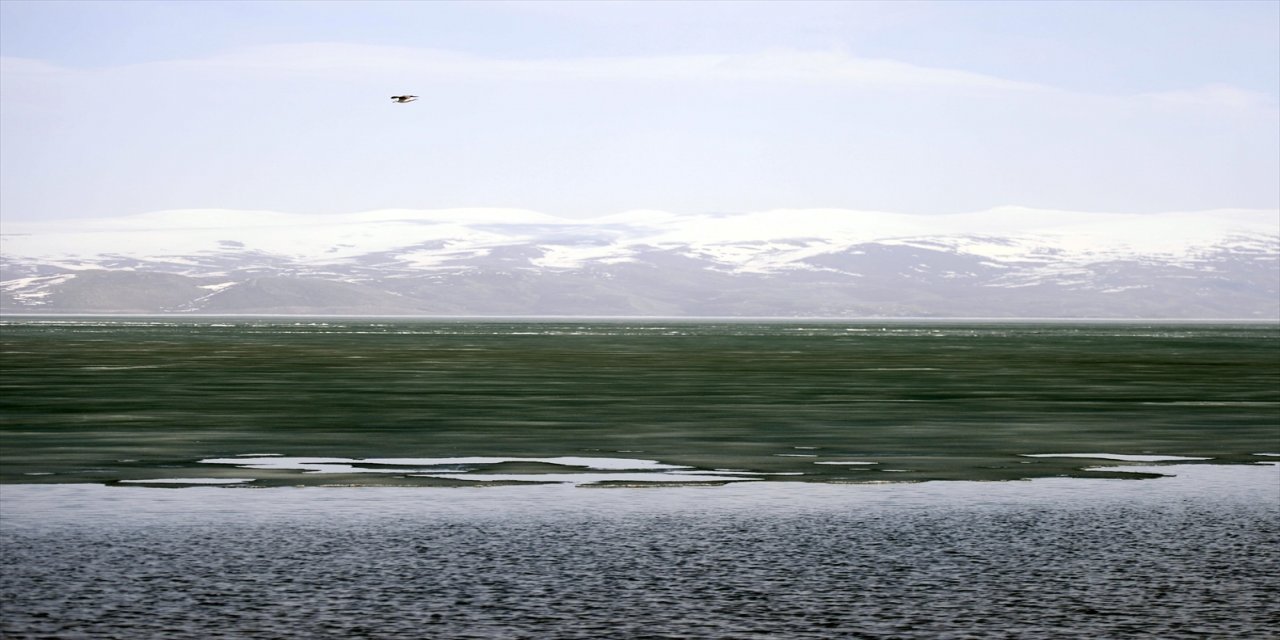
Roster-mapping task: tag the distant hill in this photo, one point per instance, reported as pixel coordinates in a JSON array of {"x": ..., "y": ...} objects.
[{"x": 1007, "y": 262}]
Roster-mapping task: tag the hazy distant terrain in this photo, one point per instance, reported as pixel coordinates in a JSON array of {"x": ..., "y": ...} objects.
[{"x": 1008, "y": 262}]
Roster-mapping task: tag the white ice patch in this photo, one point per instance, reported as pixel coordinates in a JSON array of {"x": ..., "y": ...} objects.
[
  {"x": 586, "y": 478},
  {"x": 463, "y": 468},
  {"x": 843, "y": 462},
  {"x": 732, "y": 472},
  {"x": 190, "y": 481},
  {"x": 1113, "y": 456},
  {"x": 424, "y": 465}
]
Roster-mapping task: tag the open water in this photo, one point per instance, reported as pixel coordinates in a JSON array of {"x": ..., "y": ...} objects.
[
  {"x": 572, "y": 479},
  {"x": 404, "y": 403}
]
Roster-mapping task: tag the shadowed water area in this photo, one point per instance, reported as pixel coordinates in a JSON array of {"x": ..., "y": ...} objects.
[{"x": 457, "y": 402}]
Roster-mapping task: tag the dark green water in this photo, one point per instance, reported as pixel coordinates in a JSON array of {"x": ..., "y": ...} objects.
[{"x": 105, "y": 400}]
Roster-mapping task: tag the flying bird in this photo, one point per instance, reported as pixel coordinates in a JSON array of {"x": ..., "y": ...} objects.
[{"x": 404, "y": 99}]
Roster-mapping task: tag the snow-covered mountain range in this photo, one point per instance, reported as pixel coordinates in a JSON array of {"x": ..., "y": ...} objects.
[{"x": 1006, "y": 262}]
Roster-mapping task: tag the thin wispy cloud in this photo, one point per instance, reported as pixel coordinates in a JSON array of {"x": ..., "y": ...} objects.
[
  {"x": 1218, "y": 96},
  {"x": 308, "y": 126},
  {"x": 342, "y": 60},
  {"x": 821, "y": 67}
]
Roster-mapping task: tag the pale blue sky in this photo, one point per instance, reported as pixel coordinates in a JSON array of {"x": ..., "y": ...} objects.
[{"x": 590, "y": 108}]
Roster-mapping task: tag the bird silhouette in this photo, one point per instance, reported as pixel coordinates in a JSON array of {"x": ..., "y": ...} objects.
[{"x": 404, "y": 99}]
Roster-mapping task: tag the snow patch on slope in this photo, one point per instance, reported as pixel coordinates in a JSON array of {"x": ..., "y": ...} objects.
[
  {"x": 1040, "y": 244},
  {"x": 33, "y": 291}
]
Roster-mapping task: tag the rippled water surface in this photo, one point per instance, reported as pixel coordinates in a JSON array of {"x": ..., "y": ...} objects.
[{"x": 1193, "y": 555}]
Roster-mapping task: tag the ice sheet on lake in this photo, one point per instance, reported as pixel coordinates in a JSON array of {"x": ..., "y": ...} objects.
[
  {"x": 40, "y": 506},
  {"x": 1114, "y": 456},
  {"x": 190, "y": 481},
  {"x": 588, "y": 478},
  {"x": 430, "y": 465},
  {"x": 465, "y": 468}
]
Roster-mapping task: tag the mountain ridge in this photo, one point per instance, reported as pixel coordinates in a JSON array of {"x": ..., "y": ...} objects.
[{"x": 1004, "y": 262}]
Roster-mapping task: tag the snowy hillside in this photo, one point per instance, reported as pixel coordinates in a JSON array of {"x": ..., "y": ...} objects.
[{"x": 807, "y": 262}]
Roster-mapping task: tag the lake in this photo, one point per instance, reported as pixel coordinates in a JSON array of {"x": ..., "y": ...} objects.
[
  {"x": 457, "y": 402},
  {"x": 637, "y": 479}
]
